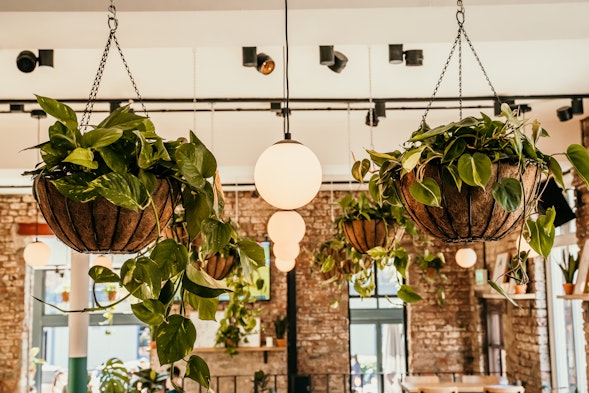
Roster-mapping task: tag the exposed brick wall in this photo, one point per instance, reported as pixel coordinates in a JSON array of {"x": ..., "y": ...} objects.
[{"x": 14, "y": 324}]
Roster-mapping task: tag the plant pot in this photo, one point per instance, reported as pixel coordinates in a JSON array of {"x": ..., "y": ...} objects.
[
  {"x": 281, "y": 342},
  {"x": 470, "y": 214},
  {"x": 100, "y": 227},
  {"x": 112, "y": 296},
  {"x": 520, "y": 289},
  {"x": 65, "y": 296},
  {"x": 568, "y": 288},
  {"x": 365, "y": 234},
  {"x": 218, "y": 266}
]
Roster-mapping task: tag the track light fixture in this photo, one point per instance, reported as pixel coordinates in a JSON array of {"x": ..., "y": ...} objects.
[
  {"x": 371, "y": 118},
  {"x": 566, "y": 113},
  {"x": 334, "y": 60},
  {"x": 26, "y": 61},
  {"x": 412, "y": 57},
  {"x": 263, "y": 63}
]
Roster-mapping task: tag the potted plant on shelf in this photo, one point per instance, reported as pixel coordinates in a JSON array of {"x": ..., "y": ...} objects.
[
  {"x": 476, "y": 179},
  {"x": 517, "y": 271},
  {"x": 111, "y": 290},
  {"x": 280, "y": 327},
  {"x": 64, "y": 292},
  {"x": 114, "y": 188},
  {"x": 569, "y": 268}
]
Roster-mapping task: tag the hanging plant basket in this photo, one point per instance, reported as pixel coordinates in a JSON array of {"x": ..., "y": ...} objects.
[
  {"x": 365, "y": 234},
  {"x": 218, "y": 266},
  {"x": 98, "y": 226},
  {"x": 471, "y": 214}
]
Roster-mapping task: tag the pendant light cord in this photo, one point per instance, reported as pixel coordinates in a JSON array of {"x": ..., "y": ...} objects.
[{"x": 287, "y": 88}]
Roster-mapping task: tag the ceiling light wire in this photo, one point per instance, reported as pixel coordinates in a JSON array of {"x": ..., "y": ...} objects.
[
  {"x": 194, "y": 89},
  {"x": 349, "y": 130},
  {"x": 213, "y": 127},
  {"x": 371, "y": 112},
  {"x": 287, "y": 87}
]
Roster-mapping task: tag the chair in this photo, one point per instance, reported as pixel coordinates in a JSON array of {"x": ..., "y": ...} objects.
[
  {"x": 439, "y": 389},
  {"x": 503, "y": 389},
  {"x": 422, "y": 378},
  {"x": 484, "y": 379}
]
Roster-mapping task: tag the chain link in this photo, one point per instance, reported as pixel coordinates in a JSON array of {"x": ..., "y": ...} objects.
[
  {"x": 460, "y": 17},
  {"x": 112, "y": 24}
]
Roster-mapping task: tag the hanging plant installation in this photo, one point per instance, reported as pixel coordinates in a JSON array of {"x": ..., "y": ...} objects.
[
  {"x": 97, "y": 188},
  {"x": 475, "y": 179}
]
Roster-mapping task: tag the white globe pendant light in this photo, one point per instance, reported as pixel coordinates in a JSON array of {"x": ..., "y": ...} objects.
[
  {"x": 284, "y": 266},
  {"x": 286, "y": 251},
  {"x": 102, "y": 260},
  {"x": 286, "y": 227},
  {"x": 288, "y": 175},
  {"x": 466, "y": 257},
  {"x": 37, "y": 254}
]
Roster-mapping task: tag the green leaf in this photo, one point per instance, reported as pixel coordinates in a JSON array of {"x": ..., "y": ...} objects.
[
  {"x": 427, "y": 192},
  {"x": 101, "y": 274},
  {"x": 540, "y": 233},
  {"x": 196, "y": 281},
  {"x": 579, "y": 158},
  {"x": 411, "y": 158},
  {"x": 408, "y": 294},
  {"x": 122, "y": 119},
  {"x": 253, "y": 251},
  {"x": 216, "y": 235},
  {"x": 401, "y": 261},
  {"x": 83, "y": 157},
  {"x": 198, "y": 370},
  {"x": 113, "y": 159},
  {"x": 451, "y": 176},
  {"x": 122, "y": 189},
  {"x": 149, "y": 311},
  {"x": 175, "y": 339},
  {"x": 195, "y": 163},
  {"x": 77, "y": 187},
  {"x": 206, "y": 307},
  {"x": 508, "y": 193},
  {"x": 454, "y": 150},
  {"x": 170, "y": 257},
  {"x": 146, "y": 158},
  {"x": 556, "y": 171},
  {"x": 475, "y": 170},
  {"x": 500, "y": 290},
  {"x": 360, "y": 169},
  {"x": 100, "y": 137},
  {"x": 114, "y": 377},
  {"x": 60, "y": 111},
  {"x": 141, "y": 277},
  {"x": 62, "y": 138}
]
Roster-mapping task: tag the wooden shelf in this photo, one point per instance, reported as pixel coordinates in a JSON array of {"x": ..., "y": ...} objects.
[
  {"x": 497, "y": 296},
  {"x": 584, "y": 297},
  {"x": 264, "y": 350}
]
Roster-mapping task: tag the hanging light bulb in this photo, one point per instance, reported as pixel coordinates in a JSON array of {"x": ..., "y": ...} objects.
[
  {"x": 286, "y": 251},
  {"x": 102, "y": 260},
  {"x": 466, "y": 257},
  {"x": 286, "y": 227},
  {"x": 284, "y": 266},
  {"x": 37, "y": 254},
  {"x": 287, "y": 174}
]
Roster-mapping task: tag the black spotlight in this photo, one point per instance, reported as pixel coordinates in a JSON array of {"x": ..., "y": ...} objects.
[
  {"x": 577, "y": 105},
  {"x": 17, "y": 108},
  {"x": 263, "y": 63},
  {"x": 334, "y": 60},
  {"x": 380, "y": 108},
  {"x": 371, "y": 118},
  {"x": 38, "y": 114},
  {"x": 396, "y": 53},
  {"x": 26, "y": 60},
  {"x": 414, "y": 57},
  {"x": 564, "y": 113}
]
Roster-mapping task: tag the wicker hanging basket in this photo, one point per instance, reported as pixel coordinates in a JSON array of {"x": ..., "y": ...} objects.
[
  {"x": 471, "y": 214},
  {"x": 218, "y": 266},
  {"x": 365, "y": 234},
  {"x": 98, "y": 226}
]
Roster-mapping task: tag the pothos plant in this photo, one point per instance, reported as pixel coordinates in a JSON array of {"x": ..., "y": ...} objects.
[
  {"x": 466, "y": 151},
  {"x": 120, "y": 159}
]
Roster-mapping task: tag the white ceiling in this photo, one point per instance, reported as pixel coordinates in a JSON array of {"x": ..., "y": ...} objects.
[{"x": 177, "y": 49}]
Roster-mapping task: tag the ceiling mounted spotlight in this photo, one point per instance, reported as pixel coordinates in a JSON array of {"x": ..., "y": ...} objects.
[
  {"x": 17, "y": 108},
  {"x": 371, "y": 118},
  {"x": 564, "y": 113},
  {"x": 26, "y": 61},
  {"x": 380, "y": 108},
  {"x": 334, "y": 60},
  {"x": 413, "y": 57},
  {"x": 577, "y": 105},
  {"x": 263, "y": 63}
]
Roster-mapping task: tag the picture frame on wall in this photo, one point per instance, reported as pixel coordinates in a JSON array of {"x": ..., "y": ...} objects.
[{"x": 500, "y": 268}]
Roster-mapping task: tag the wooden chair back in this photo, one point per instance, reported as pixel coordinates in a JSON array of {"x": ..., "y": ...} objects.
[
  {"x": 439, "y": 389},
  {"x": 485, "y": 379},
  {"x": 503, "y": 389}
]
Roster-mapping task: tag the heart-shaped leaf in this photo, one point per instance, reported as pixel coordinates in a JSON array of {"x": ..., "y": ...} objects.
[
  {"x": 427, "y": 192},
  {"x": 149, "y": 311},
  {"x": 174, "y": 339},
  {"x": 198, "y": 370},
  {"x": 508, "y": 193},
  {"x": 408, "y": 294},
  {"x": 475, "y": 170}
]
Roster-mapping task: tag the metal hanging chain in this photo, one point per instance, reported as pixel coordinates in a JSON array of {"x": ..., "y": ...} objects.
[
  {"x": 112, "y": 24},
  {"x": 371, "y": 111},
  {"x": 460, "y": 18}
]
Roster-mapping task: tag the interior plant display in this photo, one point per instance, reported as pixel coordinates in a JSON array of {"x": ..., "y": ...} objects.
[
  {"x": 262, "y": 382},
  {"x": 280, "y": 328},
  {"x": 114, "y": 377},
  {"x": 518, "y": 271},
  {"x": 120, "y": 163},
  {"x": 569, "y": 267}
]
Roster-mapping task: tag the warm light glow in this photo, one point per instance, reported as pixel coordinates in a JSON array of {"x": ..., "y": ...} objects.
[
  {"x": 286, "y": 251},
  {"x": 466, "y": 257},
  {"x": 288, "y": 175},
  {"x": 286, "y": 227},
  {"x": 102, "y": 260},
  {"x": 37, "y": 254},
  {"x": 284, "y": 266}
]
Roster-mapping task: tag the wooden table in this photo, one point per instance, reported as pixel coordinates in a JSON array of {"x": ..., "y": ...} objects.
[{"x": 463, "y": 387}]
